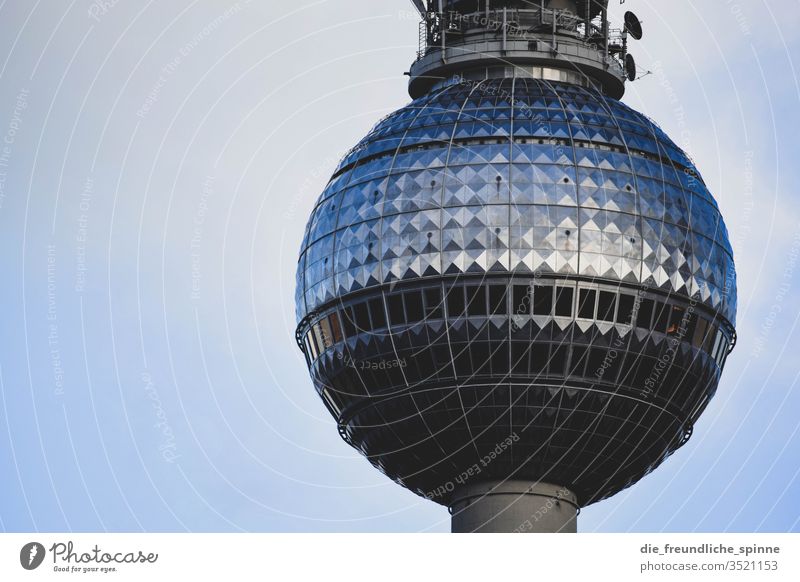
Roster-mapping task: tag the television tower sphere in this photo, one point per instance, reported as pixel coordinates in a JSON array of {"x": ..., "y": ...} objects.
[{"x": 516, "y": 294}]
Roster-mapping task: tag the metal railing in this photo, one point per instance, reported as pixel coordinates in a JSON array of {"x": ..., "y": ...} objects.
[{"x": 516, "y": 21}]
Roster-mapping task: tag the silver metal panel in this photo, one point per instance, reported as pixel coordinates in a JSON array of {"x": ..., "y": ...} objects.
[{"x": 587, "y": 186}]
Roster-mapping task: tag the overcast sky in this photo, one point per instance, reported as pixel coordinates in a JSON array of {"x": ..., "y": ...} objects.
[{"x": 158, "y": 163}]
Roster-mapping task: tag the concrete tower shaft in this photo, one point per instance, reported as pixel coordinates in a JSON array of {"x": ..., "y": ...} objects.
[{"x": 514, "y": 507}]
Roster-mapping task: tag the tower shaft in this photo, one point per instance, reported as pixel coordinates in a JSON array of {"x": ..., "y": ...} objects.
[{"x": 514, "y": 507}]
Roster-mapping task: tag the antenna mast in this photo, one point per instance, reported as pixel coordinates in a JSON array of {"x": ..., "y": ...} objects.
[{"x": 558, "y": 40}]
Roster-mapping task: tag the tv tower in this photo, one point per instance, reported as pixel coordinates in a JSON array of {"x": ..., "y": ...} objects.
[{"x": 516, "y": 295}]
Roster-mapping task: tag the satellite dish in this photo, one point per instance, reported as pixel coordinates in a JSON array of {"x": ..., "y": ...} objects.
[
  {"x": 633, "y": 25},
  {"x": 630, "y": 67}
]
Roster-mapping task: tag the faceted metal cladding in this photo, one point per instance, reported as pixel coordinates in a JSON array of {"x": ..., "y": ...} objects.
[
  {"x": 523, "y": 262},
  {"x": 517, "y": 177}
]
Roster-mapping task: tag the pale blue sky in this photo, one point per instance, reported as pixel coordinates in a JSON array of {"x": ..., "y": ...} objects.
[{"x": 157, "y": 166}]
